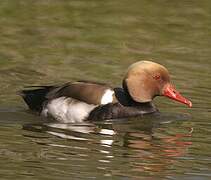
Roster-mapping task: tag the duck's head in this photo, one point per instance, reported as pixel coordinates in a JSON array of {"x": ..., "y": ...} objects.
[{"x": 145, "y": 79}]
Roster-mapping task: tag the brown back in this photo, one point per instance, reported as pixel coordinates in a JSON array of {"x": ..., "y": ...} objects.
[{"x": 88, "y": 92}]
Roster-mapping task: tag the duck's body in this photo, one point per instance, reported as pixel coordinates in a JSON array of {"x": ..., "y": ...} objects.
[
  {"x": 82, "y": 100},
  {"x": 79, "y": 101}
]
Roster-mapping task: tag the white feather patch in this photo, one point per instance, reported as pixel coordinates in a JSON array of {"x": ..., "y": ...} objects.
[
  {"x": 67, "y": 110},
  {"x": 107, "y": 96}
]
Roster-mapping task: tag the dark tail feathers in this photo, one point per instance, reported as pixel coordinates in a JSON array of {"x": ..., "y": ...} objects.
[{"x": 35, "y": 98}]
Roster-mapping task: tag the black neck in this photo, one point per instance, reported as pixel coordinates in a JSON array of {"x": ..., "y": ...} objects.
[{"x": 125, "y": 99}]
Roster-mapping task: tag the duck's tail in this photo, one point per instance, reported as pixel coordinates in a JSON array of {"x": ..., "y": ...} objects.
[{"x": 35, "y": 96}]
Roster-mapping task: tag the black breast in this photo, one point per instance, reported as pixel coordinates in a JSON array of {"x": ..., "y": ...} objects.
[{"x": 117, "y": 110}]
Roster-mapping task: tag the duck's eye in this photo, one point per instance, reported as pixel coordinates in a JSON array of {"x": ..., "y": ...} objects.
[{"x": 156, "y": 77}]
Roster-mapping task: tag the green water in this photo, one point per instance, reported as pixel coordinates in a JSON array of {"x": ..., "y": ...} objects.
[{"x": 55, "y": 41}]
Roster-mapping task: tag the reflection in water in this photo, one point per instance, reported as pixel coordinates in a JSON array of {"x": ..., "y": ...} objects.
[
  {"x": 140, "y": 146},
  {"x": 152, "y": 152}
]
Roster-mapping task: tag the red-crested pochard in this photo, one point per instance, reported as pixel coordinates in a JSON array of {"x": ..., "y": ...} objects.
[{"x": 82, "y": 100}]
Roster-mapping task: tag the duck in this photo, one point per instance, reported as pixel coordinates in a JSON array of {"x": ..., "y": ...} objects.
[{"x": 91, "y": 101}]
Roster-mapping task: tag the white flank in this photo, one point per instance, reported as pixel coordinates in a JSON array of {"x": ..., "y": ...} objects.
[
  {"x": 107, "y": 96},
  {"x": 67, "y": 110}
]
